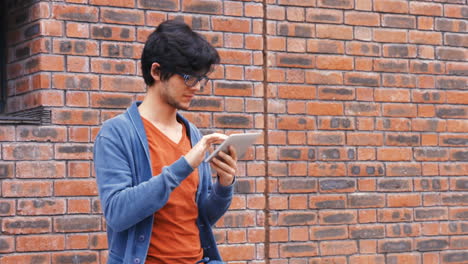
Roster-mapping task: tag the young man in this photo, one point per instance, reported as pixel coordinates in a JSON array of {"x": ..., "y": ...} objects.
[{"x": 156, "y": 192}]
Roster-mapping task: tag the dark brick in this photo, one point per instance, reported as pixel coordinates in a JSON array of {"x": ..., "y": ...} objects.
[
  {"x": 339, "y": 91},
  {"x": 338, "y": 204},
  {"x": 283, "y": 30},
  {"x": 299, "y": 219},
  {"x": 238, "y": 86},
  {"x": 23, "y": 52},
  {"x": 336, "y": 3},
  {"x": 450, "y": 54},
  {"x": 355, "y": 170},
  {"x": 338, "y": 218},
  {"x": 40, "y": 203},
  {"x": 115, "y": 101},
  {"x": 460, "y": 155},
  {"x": 462, "y": 215},
  {"x": 331, "y": 154},
  {"x": 399, "y": 51},
  {"x": 456, "y": 40},
  {"x": 365, "y": 233},
  {"x": 363, "y": 81},
  {"x": 451, "y": 83},
  {"x": 337, "y": 184},
  {"x": 160, "y": 4},
  {"x": 32, "y": 30},
  {"x": 366, "y": 200},
  {"x": 400, "y": 246},
  {"x": 404, "y": 139},
  {"x": 28, "y": 224},
  {"x": 302, "y": 31},
  {"x": 125, "y": 33},
  {"x": 123, "y": 17},
  {"x": 65, "y": 46},
  {"x": 456, "y": 257},
  {"x": 362, "y": 107},
  {"x": 431, "y": 153},
  {"x": 76, "y": 258},
  {"x": 461, "y": 184},
  {"x": 393, "y": 184},
  {"x": 205, "y": 103},
  {"x": 4, "y": 244},
  {"x": 75, "y": 149},
  {"x": 32, "y": 63},
  {"x": 323, "y": 18},
  {"x": 299, "y": 248},
  {"x": 113, "y": 50},
  {"x": 428, "y": 213},
  {"x": 4, "y": 207},
  {"x": 80, "y": 47},
  {"x": 5, "y": 170},
  {"x": 397, "y": 21},
  {"x": 105, "y": 32},
  {"x": 234, "y": 220},
  {"x": 295, "y": 61},
  {"x": 443, "y": 24},
  {"x": 89, "y": 17},
  {"x": 87, "y": 115},
  {"x": 297, "y": 184},
  {"x": 311, "y": 154},
  {"x": 40, "y": 132},
  {"x": 205, "y": 7},
  {"x": 77, "y": 224},
  {"x": 290, "y": 153},
  {"x": 120, "y": 67},
  {"x": 243, "y": 186},
  {"x": 329, "y": 232},
  {"x": 432, "y": 245},
  {"x": 351, "y": 154},
  {"x": 456, "y": 141},
  {"x": 449, "y": 112}
]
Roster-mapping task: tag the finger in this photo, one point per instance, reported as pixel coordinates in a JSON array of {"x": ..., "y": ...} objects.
[
  {"x": 233, "y": 153},
  {"x": 224, "y": 167},
  {"x": 228, "y": 159}
]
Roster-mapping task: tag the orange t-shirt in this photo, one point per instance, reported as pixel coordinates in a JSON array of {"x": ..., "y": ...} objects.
[{"x": 175, "y": 237}]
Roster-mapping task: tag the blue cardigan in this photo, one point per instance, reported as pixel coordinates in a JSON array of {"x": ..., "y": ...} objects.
[{"x": 130, "y": 195}]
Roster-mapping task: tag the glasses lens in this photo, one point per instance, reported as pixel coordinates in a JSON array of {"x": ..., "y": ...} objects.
[
  {"x": 203, "y": 81},
  {"x": 191, "y": 80}
]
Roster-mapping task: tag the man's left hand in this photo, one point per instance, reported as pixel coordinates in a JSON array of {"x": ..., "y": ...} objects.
[{"x": 226, "y": 166}]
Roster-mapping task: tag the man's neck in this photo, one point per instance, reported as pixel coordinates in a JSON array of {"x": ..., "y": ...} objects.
[{"x": 157, "y": 111}]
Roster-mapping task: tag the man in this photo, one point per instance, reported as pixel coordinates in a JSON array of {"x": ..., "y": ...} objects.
[{"x": 156, "y": 192}]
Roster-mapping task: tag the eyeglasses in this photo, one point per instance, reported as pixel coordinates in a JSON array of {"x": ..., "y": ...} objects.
[{"x": 192, "y": 80}]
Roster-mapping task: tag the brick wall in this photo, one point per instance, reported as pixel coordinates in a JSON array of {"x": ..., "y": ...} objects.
[{"x": 364, "y": 104}]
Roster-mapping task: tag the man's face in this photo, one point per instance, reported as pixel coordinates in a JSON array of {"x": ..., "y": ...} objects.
[{"x": 176, "y": 93}]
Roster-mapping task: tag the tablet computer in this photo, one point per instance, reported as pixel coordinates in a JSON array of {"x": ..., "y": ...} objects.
[{"x": 241, "y": 142}]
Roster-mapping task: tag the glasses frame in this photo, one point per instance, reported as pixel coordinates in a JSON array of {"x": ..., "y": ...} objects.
[{"x": 192, "y": 80}]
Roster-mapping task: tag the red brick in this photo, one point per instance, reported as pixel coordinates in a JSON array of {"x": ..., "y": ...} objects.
[
  {"x": 425, "y": 9},
  {"x": 231, "y": 25},
  {"x": 75, "y": 12},
  {"x": 391, "y": 6},
  {"x": 70, "y": 188},
  {"x": 329, "y": 16},
  {"x": 334, "y": 31},
  {"x": 362, "y": 18},
  {"x": 39, "y": 258},
  {"x": 344, "y": 4},
  {"x": 387, "y": 35},
  {"x": 40, "y": 243}
]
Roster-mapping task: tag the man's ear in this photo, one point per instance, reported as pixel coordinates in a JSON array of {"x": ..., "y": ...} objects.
[{"x": 155, "y": 73}]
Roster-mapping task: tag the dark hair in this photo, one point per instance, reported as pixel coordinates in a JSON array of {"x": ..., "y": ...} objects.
[{"x": 177, "y": 49}]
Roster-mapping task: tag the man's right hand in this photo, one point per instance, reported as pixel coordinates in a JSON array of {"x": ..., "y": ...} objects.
[{"x": 196, "y": 155}]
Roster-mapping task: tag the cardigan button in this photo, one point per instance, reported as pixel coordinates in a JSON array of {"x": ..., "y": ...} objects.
[
  {"x": 141, "y": 238},
  {"x": 136, "y": 260}
]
